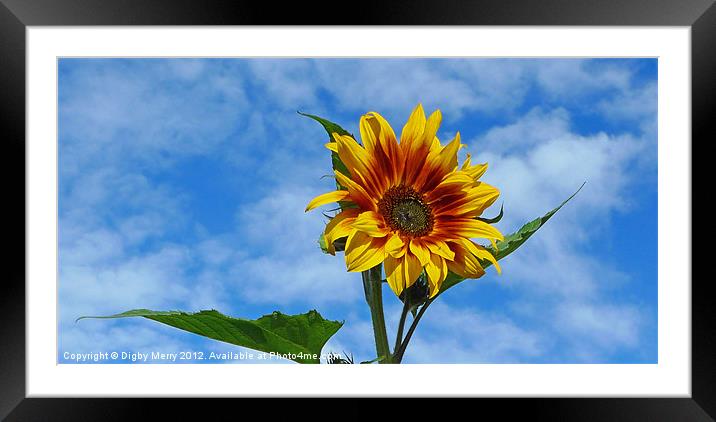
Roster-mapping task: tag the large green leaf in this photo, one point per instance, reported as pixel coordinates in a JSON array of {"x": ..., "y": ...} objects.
[
  {"x": 511, "y": 242},
  {"x": 296, "y": 337}
]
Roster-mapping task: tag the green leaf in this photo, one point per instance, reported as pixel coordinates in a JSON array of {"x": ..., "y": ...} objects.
[
  {"x": 336, "y": 162},
  {"x": 328, "y": 125},
  {"x": 332, "y": 128},
  {"x": 511, "y": 242},
  {"x": 296, "y": 337},
  {"x": 494, "y": 219}
]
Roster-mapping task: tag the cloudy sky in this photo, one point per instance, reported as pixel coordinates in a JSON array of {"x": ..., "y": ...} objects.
[{"x": 182, "y": 185}]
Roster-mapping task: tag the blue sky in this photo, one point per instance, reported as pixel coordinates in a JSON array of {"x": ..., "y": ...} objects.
[{"x": 182, "y": 185}]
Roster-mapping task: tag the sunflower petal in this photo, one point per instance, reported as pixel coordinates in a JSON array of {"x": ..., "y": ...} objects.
[
  {"x": 466, "y": 227},
  {"x": 350, "y": 151},
  {"x": 439, "y": 247},
  {"x": 413, "y": 129},
  {"x": 420, "y": 250},
  {"x": 477, "y": 170},
  {"x": 468, "y": 162},
  {"x": 395, "y": 274},
  {"x": 371, "y": 223},
  {"x": 388, "y": 145},
  {"x": 438, "y": 164},
  {"x": 452, "y": 183},
  {"x": 465, "y": 264},
  {"x": 436, "y": 270},
  {"x": 473, "y": 269},
  {"x": 473, "y": 203},
  {"x": 356, "y": 244},
  {"x": 338, "y": 227},
  {"x": 372, "y": 257},
  {"x": 327, "y": 198},
  {"x": 412, "y": 269},
  {"x": 369, "y": 133},
  {"x": 363, "y": 252},
  {"x": 357, "y": 192},
  {"x": 447, "y": 160},
  {"x": 480, "y": 252},
  {"x": 431, "y": 126},
  {"x": 394, "y": 246}
]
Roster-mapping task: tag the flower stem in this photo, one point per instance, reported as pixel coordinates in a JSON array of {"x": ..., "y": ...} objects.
[
  {"x": 401, "y": 326},
  {"x": 400, "y": 352},
  {"x": 372, "y": 284}
]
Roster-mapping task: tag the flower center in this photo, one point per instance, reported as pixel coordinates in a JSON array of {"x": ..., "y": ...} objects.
[{"x": 404, "y": 210}]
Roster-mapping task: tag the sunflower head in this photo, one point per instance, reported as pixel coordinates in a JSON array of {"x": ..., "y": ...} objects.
[{"x": 406, "y": 203}]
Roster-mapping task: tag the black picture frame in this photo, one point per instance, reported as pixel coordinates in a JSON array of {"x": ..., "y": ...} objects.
[{"x": 16, "y": 15}]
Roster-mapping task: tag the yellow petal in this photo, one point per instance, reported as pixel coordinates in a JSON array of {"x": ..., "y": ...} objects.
[
  {"x": 363, "y": 252},
  {"x": 457, "y": 266},
  {"x": 420, "y": 250},
  {"x": 354, "y": 156},
  {"x": 338, "y": 227},
  {"x": 447, "y": 160},
  {"x": 436, "y": 146},
  {"x": 480, "y": 252},
  {"x": 467, "y": 227},
  {"x": 477, "y": 199},
  {"x": 436, "y": 270},
  {"x": 394, "y": 245},
  {"x": 477, "y": 170},
  {"x": 369, "y": 131},
  {"x": 371, "y": 223},
  {"x": 466, "y": 164},
  {"x": 357, "y": 192},
  {"x": 412, "y": 269},
  {"x": 455, "y": 178},
  {"x": 441, "y": 248},
  {"x": 413, "y": 129},
  {"x": 356, "y": 244},
  {"x": 431, "y": 126},
  {"x": 395, "y": 274},
  {"x": 372, "y": 257},
  {"x": 465, "y": 264},
  {"x": 388, "y": 144},
  {"x": 386, "y": 135},
  {"x": 332, "y": 146},
  {"x": 473, "y": 269},
  {"x": 438, "y": 164},
  {"x": 327, "y": 198}
]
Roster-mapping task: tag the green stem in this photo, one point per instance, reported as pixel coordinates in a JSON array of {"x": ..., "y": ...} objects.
[
  {"x": 372, "y": 284},
  {"x": 400, "y": 352},
  {"x": 401, "y": 325}
]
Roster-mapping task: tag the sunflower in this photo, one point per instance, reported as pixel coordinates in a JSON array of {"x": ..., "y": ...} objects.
[{"x": 407, "y": 205}]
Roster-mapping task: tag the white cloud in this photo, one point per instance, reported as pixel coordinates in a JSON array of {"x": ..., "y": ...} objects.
[
  {"x": 138, "y": 114},
  {"x": 286, "y": 264},
  {"x": 290, "y": 83},
  {"x": 537, "y": 162},
  {"x": 533, "y": 128},
  {"x": 569, "y": 79},
  {"x": 394, "y": 86},
  {"x": 603, "y": 325},
  {"x": 635, "y": 104},
  {"x": 449, "y": 334}
]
